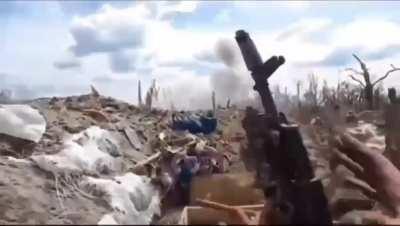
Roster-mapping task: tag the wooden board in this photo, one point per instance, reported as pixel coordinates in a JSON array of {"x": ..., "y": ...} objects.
[
  {"x": 197, "y": 215},
  {"x": 230, "y": 189},
  {"x": 133, "y": 138}
]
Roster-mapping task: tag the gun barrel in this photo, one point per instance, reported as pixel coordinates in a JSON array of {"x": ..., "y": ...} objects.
[
  {"x": 249, "y": 51},
  {"x": 259, "y": 71}
]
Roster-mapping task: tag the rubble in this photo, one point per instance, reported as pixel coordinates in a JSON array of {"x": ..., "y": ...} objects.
[
  {"x": 133, "y": 138},
  {"x": 90, "y": 148},
  {"x": 120, "y": 163}
]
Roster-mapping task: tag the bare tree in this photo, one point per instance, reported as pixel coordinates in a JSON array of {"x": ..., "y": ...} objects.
[
  {"x": 228, "y": 103},
  {"x": 298, "y": 89},
  {"x": 313, "y": 90},
  {"x": 367, "y": 84},
  {"x": 152, "y": 94},
  {"x": 140, "y": 102},
  {"x": 213, "y": 102},
  {"x": 276, "y": 91}
]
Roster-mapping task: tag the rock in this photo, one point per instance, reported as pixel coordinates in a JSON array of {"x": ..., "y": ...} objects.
[
  {"x": 109, "y": 110},
  {"x": 115, "y": 119},
  {"x": 73, "y": 129},
  {"x": 96, "y": 115}
]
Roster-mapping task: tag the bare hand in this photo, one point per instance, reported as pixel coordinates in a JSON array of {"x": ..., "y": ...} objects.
[{"x": 381, "y": 177}]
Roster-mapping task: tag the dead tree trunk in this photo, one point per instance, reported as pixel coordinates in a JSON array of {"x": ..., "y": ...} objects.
[
  {"x": 140, "y": 103},
  {"x": 228, "y": 103},
  {"x": 151, "y": 94},
  {"x": 298, "y": 84},
  {"x": 312, "y": 93},
  {"x": 393, "y": 96},
  {"x": 379, "y": 99},
  {"x": 368, "y": 85},
  {"x": 369, "y": 96},
  {"x": 392, "y": 127},
  {"x": 213, "y": 101}
]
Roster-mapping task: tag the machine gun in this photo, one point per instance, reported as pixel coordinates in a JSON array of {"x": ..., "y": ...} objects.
[{"x": 283, "y": 163}]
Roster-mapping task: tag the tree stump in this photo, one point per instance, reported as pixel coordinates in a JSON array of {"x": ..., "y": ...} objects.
[{"x": 392, "y": 127}]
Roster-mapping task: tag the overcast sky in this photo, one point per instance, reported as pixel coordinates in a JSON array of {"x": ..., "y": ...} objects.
[{"x": 61, "y": 47}]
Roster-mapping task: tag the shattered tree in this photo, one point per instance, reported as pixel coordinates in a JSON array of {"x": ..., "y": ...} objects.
[
  {"x": 298, "y": 91},
  {"x": 368, "y": 86},
  {"x": 152, "y": 94},
  {"x": 213, "y": 101},
  {"x": 392, "y": 119},
  {"x": 140, "y": 102}
]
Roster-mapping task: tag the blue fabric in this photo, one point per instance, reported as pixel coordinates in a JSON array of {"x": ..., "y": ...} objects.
[
  {"x": 185, "y": 177},
  {"x": 202, "y": 125},
  {"x": 208, "y": 124}
]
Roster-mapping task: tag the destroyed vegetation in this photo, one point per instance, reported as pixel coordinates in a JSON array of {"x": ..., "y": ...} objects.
[{"x": 92, "y": 159}]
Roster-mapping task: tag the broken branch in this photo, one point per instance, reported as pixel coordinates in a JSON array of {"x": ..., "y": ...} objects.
[
  {"x": 358, "y": 59},
  {"x": 214, "y": 205},
  {"x": 146, "y": 161},
  {"x": 244, "y": 219},
  {"x": 387, "y": 74},
  {"x": 357, "y": 80}
]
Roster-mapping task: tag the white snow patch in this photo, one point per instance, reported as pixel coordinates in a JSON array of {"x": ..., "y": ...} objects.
[
  {"x": 88, "y": 151},
  {"x": 22, "y": 121},
  {"x": 132, "y": 197}
]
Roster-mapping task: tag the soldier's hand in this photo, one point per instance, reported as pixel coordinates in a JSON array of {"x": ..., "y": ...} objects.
[{"x": 375, "y": 175}]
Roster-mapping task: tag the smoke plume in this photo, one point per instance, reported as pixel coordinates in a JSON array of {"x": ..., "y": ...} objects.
[{"x": 234, "y": 81}]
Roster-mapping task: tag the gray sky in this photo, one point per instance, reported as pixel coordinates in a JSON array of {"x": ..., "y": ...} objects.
[{"x": 61, "y": 47}]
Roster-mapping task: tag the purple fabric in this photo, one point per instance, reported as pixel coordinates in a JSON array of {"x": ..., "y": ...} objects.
[{"x": 190, "y": 162}]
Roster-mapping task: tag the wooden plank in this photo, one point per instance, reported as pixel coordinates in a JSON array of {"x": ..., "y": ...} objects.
[
  {"x": 220, "y": 187},
  {"x": 206, "y": 216},
  {"x": 133, "y": 138},
  {"x": 147, "y": 161},
  {"x": 137, "y": 156}
]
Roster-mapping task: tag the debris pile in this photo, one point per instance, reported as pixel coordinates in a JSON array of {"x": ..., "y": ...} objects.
[
  {"x": 91, "y": 159},
  {"x": 116, "y": 161}
]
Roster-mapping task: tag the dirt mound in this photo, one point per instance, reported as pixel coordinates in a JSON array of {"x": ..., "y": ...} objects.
[{"x": 92, "y": 162}]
